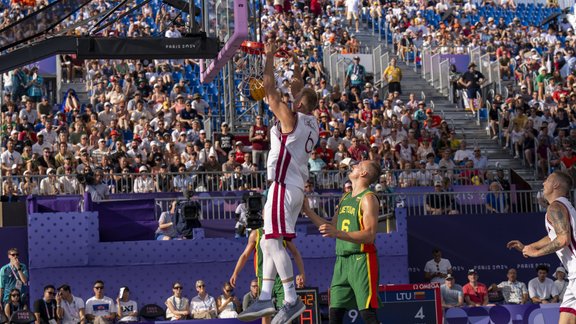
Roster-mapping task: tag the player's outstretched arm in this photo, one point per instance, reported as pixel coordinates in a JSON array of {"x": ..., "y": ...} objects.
[
  {"x": 370, "y": 207},
  {"x": 297, "y": 258},
  {"x": 278, "y": 108},
  {"x": 243, "y": 258},
  {"x": 558, "y": 217},
  {"x": 298, "y": 82}
]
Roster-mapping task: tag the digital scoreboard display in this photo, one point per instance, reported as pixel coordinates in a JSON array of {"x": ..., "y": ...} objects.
[
  {"x": 311, "y": 314},
  {"x": 406, "y": 304}
]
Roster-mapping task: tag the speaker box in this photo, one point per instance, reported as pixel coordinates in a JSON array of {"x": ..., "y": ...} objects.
[{"x": 13, "y": 214}]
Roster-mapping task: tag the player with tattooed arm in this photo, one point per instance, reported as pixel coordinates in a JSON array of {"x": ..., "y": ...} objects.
[{"x": 560, "y": 225}]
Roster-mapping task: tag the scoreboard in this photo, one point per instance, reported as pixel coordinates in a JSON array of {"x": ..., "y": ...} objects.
[
  {"x": 406, "y": 304},
  {"x": 311, "y": 314}
]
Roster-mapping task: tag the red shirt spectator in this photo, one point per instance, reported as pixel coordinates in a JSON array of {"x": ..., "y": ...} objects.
[
  {"x": 325, "y": 153},
  {"x": 433, "y": 121},
  {"x": 569, "y": 158},
  {"x": 475, "y": 293},
  {"x": 239, "y": 157}
]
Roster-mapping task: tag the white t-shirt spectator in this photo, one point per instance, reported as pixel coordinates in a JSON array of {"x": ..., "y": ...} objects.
[
  {"x": 443, "y": 266},
  {"x": 9, "y": 158},
  {"x": 542, "y": 290},
  {"x": 49, "y": 136},
  {"x": 352, "y": 5},
  {"x": 100, "y": 307},
  {"x": 200, "y": 106},
  {"x": 71, "y": 310},
  {"x": 172, "y": 33},
  {"x": 127, "y": 308}
]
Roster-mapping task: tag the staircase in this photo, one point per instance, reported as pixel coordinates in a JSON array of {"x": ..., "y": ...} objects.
[{"x": 465, "y": 125}]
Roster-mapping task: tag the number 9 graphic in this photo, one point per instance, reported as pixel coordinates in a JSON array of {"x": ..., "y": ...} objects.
[{"x": 353, "y": 314}]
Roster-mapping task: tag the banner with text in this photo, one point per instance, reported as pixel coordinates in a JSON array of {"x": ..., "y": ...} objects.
[{"x": 478, "y": 242}]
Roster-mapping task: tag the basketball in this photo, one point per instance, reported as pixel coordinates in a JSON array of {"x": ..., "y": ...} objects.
[{"x": 256, "y": 89}]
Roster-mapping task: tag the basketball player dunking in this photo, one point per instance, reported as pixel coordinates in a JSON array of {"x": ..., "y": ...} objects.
[
  {"x": 292, "y": 139},
  {"x": 560, "y": 224}
]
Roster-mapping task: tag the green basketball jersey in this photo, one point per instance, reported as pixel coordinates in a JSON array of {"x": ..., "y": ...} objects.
[
  {"x": 258, "y": 257},
  {"x": 350, "y": 220}
]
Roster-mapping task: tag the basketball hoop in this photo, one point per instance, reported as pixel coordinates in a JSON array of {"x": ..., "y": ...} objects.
[
  {"x": 250, "y": 71},
  {"x": 253, "y": 48}
]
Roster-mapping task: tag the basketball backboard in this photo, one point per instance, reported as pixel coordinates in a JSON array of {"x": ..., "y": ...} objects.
[{"x": 228, "y": 21}]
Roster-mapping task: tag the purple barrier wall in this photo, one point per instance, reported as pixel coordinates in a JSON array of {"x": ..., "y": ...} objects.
[
  {"x": 64, "y": 248},
  {"x": 139, "y": 211},
  {"x": 461, "y": 61},
  {"x": 475, "y": 195},
  {"x": 477, "y": 241},
  {"x": 50, "y": 204},
  {"x": 505, "y": 314}
]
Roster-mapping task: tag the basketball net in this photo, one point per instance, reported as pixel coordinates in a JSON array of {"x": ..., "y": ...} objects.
[{"x": 250, "y": 69}]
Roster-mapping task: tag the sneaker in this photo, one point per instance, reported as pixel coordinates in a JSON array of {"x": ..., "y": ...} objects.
[
  {"x": 494, "y": 137},
  {"x": 289, "y": 312},
  {"x": 258, "y": 309}
]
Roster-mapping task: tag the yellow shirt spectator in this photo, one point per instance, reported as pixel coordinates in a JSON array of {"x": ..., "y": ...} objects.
[{"x": 393, "y": 74}]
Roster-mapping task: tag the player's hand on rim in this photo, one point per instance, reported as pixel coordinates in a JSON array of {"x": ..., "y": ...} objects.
[{"x": 270, "y": 48}]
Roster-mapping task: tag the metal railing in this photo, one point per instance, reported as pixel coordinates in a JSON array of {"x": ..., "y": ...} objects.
[
  {"x": 443, "y": 203},
  {"x": 227, "y": 181},
  {"x": 416, "y": 203},
  {"x": 377, "y": 64},
  {"x": 444, "y": 80}
]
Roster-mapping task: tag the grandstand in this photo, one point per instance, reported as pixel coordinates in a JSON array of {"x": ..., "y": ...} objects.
[{"x": 119, "y": 120}]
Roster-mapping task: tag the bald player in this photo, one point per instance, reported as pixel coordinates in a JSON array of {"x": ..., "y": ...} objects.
[{"x": 356, "y": 272}]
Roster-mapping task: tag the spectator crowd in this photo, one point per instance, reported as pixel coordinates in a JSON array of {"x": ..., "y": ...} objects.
[
  {"x": 144, "y": 126},
  {"x": 539, "y": 290}
]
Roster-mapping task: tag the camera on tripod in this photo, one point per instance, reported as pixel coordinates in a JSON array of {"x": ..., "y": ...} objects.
[
  {"x": 188, "y": 215},
  {"x": 254, "y": 205}
]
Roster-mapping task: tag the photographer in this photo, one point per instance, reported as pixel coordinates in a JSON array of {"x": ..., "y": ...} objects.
[
  {"x": 241, "y": 218},
  {"x": 97, "y": 189},
  {"x": 166, "y": 229}
]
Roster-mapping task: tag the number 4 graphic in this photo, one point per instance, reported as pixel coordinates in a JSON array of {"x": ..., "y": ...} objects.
[{"x": 420, "y": 314}]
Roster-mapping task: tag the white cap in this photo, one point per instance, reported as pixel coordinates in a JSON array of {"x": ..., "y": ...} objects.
[
  {"x": 561, "y": 269},
  {"x": 143, "y": 168},
  {"x": 50, "y": 170},
  {"x": 13, "y": 132},
  {"x": 378, "y": 187},
  {"x": 154, "y": 143}
]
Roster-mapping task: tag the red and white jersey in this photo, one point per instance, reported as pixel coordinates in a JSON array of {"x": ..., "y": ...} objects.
[
  {"x": 567, "y": 254},
  {"x": 289, "y": 152}
]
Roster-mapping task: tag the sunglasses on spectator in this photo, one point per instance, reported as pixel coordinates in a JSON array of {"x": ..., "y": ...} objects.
[
  {"x": 98, "y": 287},
  {"x": 51, "y": 293},
  {"x": 200, "y": 286},
  {"x": 178, "y": 287},
  {"x": 15, "y": 295},
  {"x": 14, "y": 254},
  {"x": 229, "y": 290}
]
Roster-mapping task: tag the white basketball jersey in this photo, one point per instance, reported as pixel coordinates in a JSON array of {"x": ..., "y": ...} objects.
[
  {"x": 289, "y": 152},
  {"x": 567, "y": 254}
]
